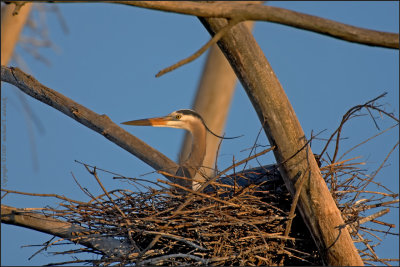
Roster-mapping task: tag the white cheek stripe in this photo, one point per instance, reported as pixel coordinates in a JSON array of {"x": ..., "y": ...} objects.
[{"x": 185, "y": 122}]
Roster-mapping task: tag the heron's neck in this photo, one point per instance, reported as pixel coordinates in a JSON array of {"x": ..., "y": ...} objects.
[{"x": 198, "y": 151}]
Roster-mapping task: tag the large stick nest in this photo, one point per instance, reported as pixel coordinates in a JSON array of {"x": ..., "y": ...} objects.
[
  {"x": 231, "y": 224},
  {"x": 244, "y": 228}
]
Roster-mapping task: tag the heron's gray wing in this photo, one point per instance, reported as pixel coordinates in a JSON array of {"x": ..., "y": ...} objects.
[{"x": 263, "y": 176}]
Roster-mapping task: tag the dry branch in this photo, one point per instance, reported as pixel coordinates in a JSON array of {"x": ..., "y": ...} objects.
[
  {"x": 318, "y": 209},
  {"x": 49, "y": 225},
  {"x": 257, "y": 12},
  {"x": 101, "y": 124}
]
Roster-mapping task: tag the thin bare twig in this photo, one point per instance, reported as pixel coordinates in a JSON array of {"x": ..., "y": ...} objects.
[
  {"x": 376, "y": 172},
  {"x": 43, "y": 195},
  {"x": 199, "y": 52}
]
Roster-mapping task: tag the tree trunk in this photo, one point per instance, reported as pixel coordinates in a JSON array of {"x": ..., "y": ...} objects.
[{"x": 293, "y": 154}]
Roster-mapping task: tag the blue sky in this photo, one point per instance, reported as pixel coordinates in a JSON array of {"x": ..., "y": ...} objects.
[{"x": 108, "y": 61}]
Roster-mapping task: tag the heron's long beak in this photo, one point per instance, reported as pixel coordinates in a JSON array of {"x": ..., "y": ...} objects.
[{"x": 160, "y": 121}]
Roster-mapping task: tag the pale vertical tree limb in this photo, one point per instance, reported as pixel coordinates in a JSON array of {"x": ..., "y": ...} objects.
[
  {"x": 316, "y": 205},
  {"x": 212, "y": 102},
  {"x": 11, "y": 27}
]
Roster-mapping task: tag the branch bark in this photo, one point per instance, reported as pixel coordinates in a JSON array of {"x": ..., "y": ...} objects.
[
  {"x": 284, "y": 131},
  {"x": 251, "y": 11},
  {"x": 101, "y": 124},
  {"x": 66, "y": 230}
]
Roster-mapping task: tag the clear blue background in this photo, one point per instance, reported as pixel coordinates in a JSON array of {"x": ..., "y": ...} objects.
[{"x": 108, "y": 60}]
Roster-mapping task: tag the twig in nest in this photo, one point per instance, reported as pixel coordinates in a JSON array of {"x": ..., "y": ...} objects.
[
  {"x": 176, "y": 238},
  {"x": 94, "y": 173},
  {"x": 300, "y": 183},
  {"x": 365, "y": 141},
  {"x": 44, "y": 195},
  {"x": 330, "y": 166},
  {"x": 369, "y": 218},
  {"x": 158, "y": 260},
  {"x": 376, "y": 172},
  {"x": 349, "y": 114},
  {"x": 200, "y": 194}
]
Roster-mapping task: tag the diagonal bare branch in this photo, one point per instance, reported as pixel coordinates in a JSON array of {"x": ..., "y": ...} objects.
[
  {"x": 62, "y": 229},
  {"x": 316, "y": 206},
  {"x": 101, "y": 124}
]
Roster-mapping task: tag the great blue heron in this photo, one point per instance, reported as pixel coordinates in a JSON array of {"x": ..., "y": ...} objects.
[{"x": 191, "y": 121}]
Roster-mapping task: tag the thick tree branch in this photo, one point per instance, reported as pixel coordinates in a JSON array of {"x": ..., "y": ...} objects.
[
  {"x": 251, "y": 11},
  {"x": 293, "y": 154},
  {"x": 257, "y": 12},
  {"x": 98, "y": 123},
  {"x": 62, "y": 229}
]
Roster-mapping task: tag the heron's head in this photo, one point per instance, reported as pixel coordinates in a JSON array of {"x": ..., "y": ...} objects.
[{"x": 182, "y": 119}]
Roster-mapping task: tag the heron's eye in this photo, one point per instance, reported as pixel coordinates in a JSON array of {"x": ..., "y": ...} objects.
[{"x": 178, "y": 117}]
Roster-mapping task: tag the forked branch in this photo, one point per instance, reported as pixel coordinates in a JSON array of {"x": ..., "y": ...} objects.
[{"x": 257, "y": 12}]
